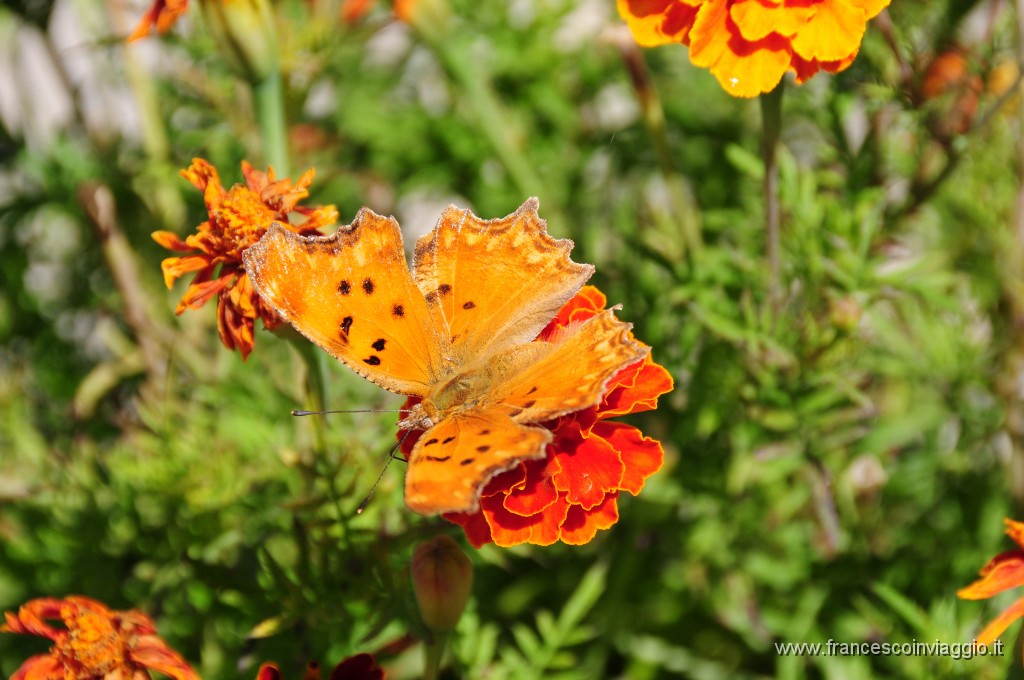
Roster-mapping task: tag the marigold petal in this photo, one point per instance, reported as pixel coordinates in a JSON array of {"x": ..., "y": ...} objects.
[
  {"x": 199, "y": 292},
  {"x": 757, "y": 21},
  {"x": 590, "y": 467},
  {"x": 641, "y": 456},
  {"x": 658, "y": 22},
  {"x": 749, "y": 69},
  {"x": 31, "y": 618},
  {"x": 1015, "y": 530},
  {"x": 580, "y": 526},
  {"x": 162, "y": 14},
  {"x": 40, "y": 667},
  {"x": 992, "y": 631},
  {"x": 152, "y": 652},
  {"x": 871, "y": 7},
  {"x": 176, "y": 267},
  {"x": 236, "y": 330},
  {"x": 202, "y": 174},
  {"x": 537, "y": 491},
  {"x": 170, "y": 240},
  {"x": 833, "y": 33},
  {"x": 636, "y": 388},
  {"x": 1004, "y": 571},
  {"x": 508, "y": 529},
  {"x": 478, "y": 531}
]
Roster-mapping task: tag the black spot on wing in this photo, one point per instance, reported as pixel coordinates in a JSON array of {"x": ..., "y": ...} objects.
[
  {"x": 378, "y": 344},
  {"x": 398, "y": 310},
  {"x": 436, "y": 459},
  {"x": 469, "y": 305},
  {"x": 346, "y": 326},
  {"x": 368, "y": 286},
  {"x": 444, "y": 289},
  {"x": 430, "y": 442},
  {"x": 484, "y": 432},
  {"x": 483, "y": 448},
  {"x": 467, "y": 461},
  {"x": 344, "y": 287},
  {"x": 448, "y": 439},
  {"x": 373, "y": 360}
]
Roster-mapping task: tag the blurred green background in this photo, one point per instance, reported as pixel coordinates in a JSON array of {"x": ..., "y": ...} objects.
[{"x": 839, "y": 457}]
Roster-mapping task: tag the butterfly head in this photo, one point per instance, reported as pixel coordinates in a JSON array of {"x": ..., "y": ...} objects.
[{"x": 422, "y": 416}]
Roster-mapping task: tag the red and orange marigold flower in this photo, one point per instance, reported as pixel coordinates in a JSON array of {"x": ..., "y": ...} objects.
[
  {"x": 749, "y": 44},
  {"x": 237, "y": 219},
  {"x": 161, "y": 15},
  {"x": 96, "y": 643},
  {"x": 573, "y": 491},
  {"x": 1004, "y": 571}
]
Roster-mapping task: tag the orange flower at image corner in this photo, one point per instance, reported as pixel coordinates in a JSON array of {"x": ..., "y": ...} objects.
[
  {"x": 1004, "y": 571},
  {"x": 95, "y": 644},
  {"x": 237, "y": 219},
  {"x": 573, "y": 491},
  {"x": 750, "y": 44}
]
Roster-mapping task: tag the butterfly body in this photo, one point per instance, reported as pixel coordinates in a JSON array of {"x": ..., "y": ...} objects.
[{"x": 457, "y": 332}]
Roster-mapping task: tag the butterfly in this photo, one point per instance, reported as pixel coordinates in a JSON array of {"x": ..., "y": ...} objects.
[{"x": 457, "y": 332}]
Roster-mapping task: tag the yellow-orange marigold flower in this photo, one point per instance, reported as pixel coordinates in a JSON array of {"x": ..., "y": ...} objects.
[
  {"x": 749, "y": 44},
  {"x": 96, "y": 643},
  {"x": 237, "y": 219},
  {"x": 1004, "y": 571}
]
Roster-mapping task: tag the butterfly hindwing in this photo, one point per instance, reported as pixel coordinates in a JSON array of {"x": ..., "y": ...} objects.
[
  {"x": 352, "y": 294},
  {"x": 494, "y": 284},
  {"x": 454, "y": 460},
  {"x": 568, "y": 373}
]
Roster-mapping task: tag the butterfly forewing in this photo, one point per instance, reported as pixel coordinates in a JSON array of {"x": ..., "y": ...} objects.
[
  {"x": 566, "y": 375},
  {"x": 494, "y": 284},
  {"x": 453, "y": 461},
  {"x": 353, "y": 295}
]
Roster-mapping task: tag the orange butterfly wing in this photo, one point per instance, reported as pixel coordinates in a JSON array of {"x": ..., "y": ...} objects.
[
  {"x": 494, "y": 284},
  {"x": 352, "y": 294},
  {"x": 453, "y": 460}
]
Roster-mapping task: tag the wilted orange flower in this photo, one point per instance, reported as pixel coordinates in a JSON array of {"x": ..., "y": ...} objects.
[
  {"x": 96, "y": 643},
  {"x": 358, "y": 667},
  {"x": 237, "y": 219},
  {"x": 1004, "y": 571},
  {"x": 161, "y": 16},
  {"x": 573, "y": 492},
  {"x": 749, "y": 44}
]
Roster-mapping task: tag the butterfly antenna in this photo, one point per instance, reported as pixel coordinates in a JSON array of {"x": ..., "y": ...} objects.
[
  {"x": 391, "y": 457},
  {"x": 355, "y": 410}
]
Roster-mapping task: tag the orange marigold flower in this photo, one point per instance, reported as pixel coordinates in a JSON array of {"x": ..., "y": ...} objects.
[
  {"x": 749, "y": 44},
  {"x": 573, "y": 492},
  {"x": 357, "y": 667},
  {"x": 161, "y": 16},
  {"x": 1004, "y": 571},
  {"x": 237, "y": 219},
  {"x": 96, "y": 643}
]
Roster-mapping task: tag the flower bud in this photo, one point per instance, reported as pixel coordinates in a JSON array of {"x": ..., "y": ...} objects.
[{"x": 442, "y": 578}]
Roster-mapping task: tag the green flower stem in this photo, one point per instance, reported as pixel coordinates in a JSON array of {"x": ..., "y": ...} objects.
[
  {"x": 686, "y": 213},
  {"x": 269, "y": 96},
  {"x": 771, "y": 116},
  {"x": 433, "y": 654}
]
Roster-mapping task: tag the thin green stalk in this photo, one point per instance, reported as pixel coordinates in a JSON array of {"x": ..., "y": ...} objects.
[
  {"x": 269, "y": 97},
  {"x": 771, "y": 118},
  {"x": 687, "y": 214},
  {"x": 491, "y": 117},
  {"x": 433, "y": 654}
]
